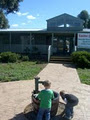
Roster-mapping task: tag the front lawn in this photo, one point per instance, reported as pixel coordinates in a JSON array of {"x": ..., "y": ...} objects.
[
  {"x": 19, "y": 71},
  {"x": 84, "y": 75}
]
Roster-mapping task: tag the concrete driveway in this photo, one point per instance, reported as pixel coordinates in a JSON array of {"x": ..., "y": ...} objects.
[{"x": 15, "y": 96}]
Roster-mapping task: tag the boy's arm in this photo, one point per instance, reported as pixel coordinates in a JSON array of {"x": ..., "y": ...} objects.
[
  {"x": 36, "y": 100},
  {"x": 53, "y": 96},
  {"x": 39, "y": 96},
  {"x": 64, "y": 99}
]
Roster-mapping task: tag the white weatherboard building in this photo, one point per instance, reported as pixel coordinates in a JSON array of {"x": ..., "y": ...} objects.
[{"x": 63, "y": 35}]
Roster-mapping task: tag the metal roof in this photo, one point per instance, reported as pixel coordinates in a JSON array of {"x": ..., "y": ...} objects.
[
  {"x": 5, "y": 30},
  {"x": 42, "y": 30}
]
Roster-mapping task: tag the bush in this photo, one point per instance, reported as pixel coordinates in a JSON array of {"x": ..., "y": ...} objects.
[
  {"x": 0, "y": 58},
  {"x": 38, "y": 62},
  {"x": 81, "y": 59},
  {"x": 9, "y": 57},
  {"x": 25, "y": 58},
  {"x": 83, "y": 62}
]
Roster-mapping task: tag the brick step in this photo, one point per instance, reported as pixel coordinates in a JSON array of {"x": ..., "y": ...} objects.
[
  {"x": 61, "y": 62},
  {"x": 60, "y": 59}
]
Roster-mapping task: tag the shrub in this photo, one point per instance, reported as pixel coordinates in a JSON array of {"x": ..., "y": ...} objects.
[
  {"x": 0, "y": 58},
  {"x": 81, "y": 59},
  {"x": 38, "y": 62},
  {"x": 25, "y": 58},
  {"x": 9, "y": 57},
  {"x": 83, "y": 62}
]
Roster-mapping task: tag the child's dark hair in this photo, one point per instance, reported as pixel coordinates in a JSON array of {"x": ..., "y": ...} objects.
[
  {"x": 62, "y": 92},
  {"x": 47, "y": 83}
]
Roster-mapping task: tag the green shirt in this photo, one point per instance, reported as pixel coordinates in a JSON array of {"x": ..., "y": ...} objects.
[{"x": 45, "y": 97}]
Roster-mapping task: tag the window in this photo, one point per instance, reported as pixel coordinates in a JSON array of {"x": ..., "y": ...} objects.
[
  {"x": 25, "y": 38},
  {"x": 15, "y": 38},
  {"x": 19, "y": 38},
  {"x": 38, "y": 39},
  {"x": 4, "y": 38}
]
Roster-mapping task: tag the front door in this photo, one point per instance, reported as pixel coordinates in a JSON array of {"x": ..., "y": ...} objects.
[
  {"x": 64, "y": 45},
  {"x": 60, "y": 45}
]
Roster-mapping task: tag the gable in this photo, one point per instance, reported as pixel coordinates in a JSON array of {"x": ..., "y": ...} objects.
[
  {"x": 63, "y": 21},
  {"x": 65, "y": 15}
]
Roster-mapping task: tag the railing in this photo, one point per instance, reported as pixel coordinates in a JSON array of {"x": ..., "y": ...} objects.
[
  {"x": 49, "y": 52},
  {"x": 75, "y": 48}
]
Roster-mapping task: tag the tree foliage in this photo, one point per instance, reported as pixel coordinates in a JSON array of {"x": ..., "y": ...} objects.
[
  {"x": 3, "y": 21},
  {"x": 6, "y": 7},
  {"x": 84, "y": 16},
  {"x": 88, "y": 23},
  {"x": 9, "y": 5}
]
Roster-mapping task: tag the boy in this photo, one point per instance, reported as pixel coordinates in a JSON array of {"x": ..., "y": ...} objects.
[
  {"x": 70, "y": 101},
  {"x": 45, "y": 97}
]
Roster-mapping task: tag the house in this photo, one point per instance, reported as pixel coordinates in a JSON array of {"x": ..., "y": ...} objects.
[{"x": 64, "y": 34}]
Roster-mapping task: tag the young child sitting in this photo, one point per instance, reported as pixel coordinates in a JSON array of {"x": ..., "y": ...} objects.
[
  {"x": 71, "y": 101},
  {"x": 45, "y": 97}
]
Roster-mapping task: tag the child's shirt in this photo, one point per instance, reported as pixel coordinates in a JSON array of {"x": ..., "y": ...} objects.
[
  {"x": 45, "y": 97},
  {"x": 69, "y": 98}
]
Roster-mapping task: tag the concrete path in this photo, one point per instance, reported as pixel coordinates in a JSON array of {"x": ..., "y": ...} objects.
[{"x": 15, "y": 96}]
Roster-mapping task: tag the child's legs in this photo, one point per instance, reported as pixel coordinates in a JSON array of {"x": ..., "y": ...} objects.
[
  {"x": 68, "y": 111},
  {"x": 71, "y": 109},
  {"x": 47, "y": 114},
  {"x": 40, "y": 114}
]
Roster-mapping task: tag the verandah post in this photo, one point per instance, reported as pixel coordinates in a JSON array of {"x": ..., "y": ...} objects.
[{"x": 10, "y": 41}]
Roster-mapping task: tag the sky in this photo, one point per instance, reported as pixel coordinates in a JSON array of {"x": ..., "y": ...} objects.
[{"x": 33, "y": 14}]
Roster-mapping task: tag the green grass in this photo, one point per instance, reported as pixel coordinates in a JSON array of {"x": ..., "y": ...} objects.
[
  {"x": 19, "y": 71},
  {"x": 84, "y": 75}
]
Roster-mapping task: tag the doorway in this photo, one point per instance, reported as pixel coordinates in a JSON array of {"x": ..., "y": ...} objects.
[{"x": 63, "y": 45}]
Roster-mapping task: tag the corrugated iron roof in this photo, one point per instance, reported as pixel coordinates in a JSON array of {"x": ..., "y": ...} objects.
[{"x": 21, "y": 30}]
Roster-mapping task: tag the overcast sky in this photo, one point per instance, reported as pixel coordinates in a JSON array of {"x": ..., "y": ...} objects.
[{"x": 34, "y": 13}]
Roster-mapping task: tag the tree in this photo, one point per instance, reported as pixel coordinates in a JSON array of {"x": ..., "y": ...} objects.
[
  {"x": 3, "y": 21},
  {"x": 84, "y": 16},
  {"x": 88, "y": 25},
  {"x": 6, "y": 7},
  {"x": 10, "y": 5}
]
